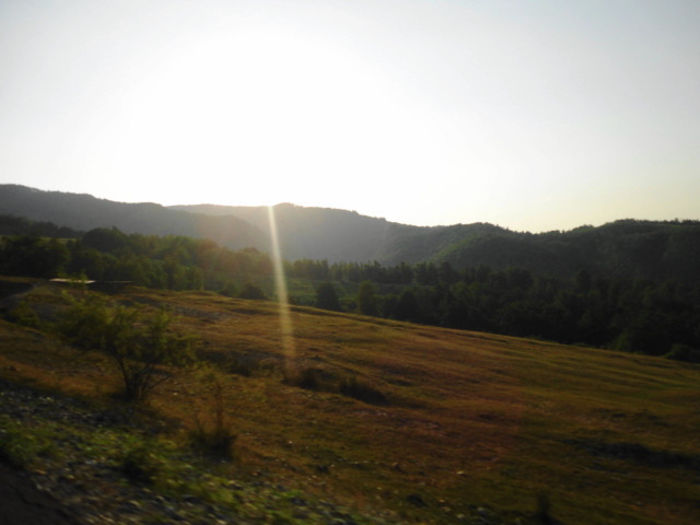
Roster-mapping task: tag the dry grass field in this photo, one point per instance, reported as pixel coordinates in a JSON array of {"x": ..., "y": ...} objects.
[{"x": 427, "y": 422}]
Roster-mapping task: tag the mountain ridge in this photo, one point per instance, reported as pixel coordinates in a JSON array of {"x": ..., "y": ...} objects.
[
  {"x": 656, "y": 250},
  {"x": 84, "y": 212},
  {"x": 342, "y": 235}
]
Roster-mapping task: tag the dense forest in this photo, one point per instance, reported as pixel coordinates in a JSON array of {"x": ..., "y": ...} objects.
[
  {"x": 640, "y": 315},
  {"x": 658, "y": 317}
]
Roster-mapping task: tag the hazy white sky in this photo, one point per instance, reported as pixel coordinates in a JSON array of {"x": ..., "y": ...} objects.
[{"x": 532, "y": 115}]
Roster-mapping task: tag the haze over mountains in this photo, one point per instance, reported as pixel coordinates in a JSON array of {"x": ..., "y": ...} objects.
[
  {"x": 315, "y": 233},
  {"x": 644, "y": 249}
]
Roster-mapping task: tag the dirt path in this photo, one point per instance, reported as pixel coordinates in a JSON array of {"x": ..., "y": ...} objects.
[{"x": 21, "y": 503}]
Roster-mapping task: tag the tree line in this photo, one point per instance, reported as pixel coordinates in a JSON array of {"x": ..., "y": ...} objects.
[
  {"x": 168, "y": 262},
  {"x": 658, "y": 317},
  {"x": 631, "y": 314},
  {"x": 625, "y": 314}
]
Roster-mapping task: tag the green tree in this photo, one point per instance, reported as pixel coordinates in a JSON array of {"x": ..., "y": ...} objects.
[
  {"x": 106, "y": 240},
  {"x": 367, "y": 299},
  {"x": 33, "y": 256},
  {"x": 326, "y": 297},
  {"x": 175, "y": 274},
  {"x": 407, "y": 308}
]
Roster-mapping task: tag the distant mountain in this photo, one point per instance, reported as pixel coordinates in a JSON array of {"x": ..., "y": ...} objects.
[
  {"x": 340, "y": 235},
  {"x": 85, "y": 212},
  {"x": 627, "y": 248}
]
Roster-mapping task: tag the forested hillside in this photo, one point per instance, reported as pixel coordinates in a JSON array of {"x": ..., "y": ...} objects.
[
  {"x": 623, "y": 249},
  {"x": 626, "y": 248},
  {"x": 598, "y": 308}
]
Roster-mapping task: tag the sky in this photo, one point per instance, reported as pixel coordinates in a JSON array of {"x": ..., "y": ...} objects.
[{"x": 534, "y": 115}]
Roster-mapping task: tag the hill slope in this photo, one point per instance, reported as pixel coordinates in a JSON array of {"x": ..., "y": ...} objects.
[
  {"x": 340, "y": 235},
  {"x": 626, "y": 248},
  {"x": 621, "y": 249},
  {"x": 85, "y": 212},
  {"x": 468, "y": 426}
]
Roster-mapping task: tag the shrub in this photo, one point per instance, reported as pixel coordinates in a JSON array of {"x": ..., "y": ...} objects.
[
  {"x": 136, "y": 344},
  {"x": 239, "y": 367},
  {"x": 217, "y": 440},
  {"x": 139, "y": 463},
  {"x": 685, "y": 353},
  {"x": 323, "y": 381},
  {"x": 19, "y": 446},
  {"x": 24, "y": 314},
  {"x": 308, "y": 378},
  {"x": 229, "y": 290},
  {"x": 362, "y": 391},
  {"x": 250, "y": 291}
]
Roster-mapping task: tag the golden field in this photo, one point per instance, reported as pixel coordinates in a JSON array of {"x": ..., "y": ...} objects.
[{"x": 459, "y": 420}]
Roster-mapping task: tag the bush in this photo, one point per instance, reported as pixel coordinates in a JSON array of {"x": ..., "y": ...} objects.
[
  {"x": 308, "y": 378},
  {"x": 323, "y": 381},
  {"x": 229, "y": 290},
  {"x": 362, "y": 391},
  {"x": 19, "y": 446},
  {"x": 239, "y": 367},
  {"x": 217, "y": 440},
  {"x": 250, "y": 291},
  {"x": 24, "y": 314},
  {"x": 139, "y": 463},
  {"x": 685, "y": 353},
  {"x": 137, "y": 344}
]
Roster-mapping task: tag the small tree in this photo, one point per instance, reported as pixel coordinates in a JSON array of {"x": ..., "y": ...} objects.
[
  {"x": 407, "y": 308},
  {"x": 135, "y": 343},
  {"x": 326, "y": 297}
]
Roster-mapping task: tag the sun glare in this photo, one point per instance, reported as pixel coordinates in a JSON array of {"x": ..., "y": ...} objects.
[
  {"x": 282, "y": 112},
  {"x": 286, "y": 327},
  {"x": 460, "y": 111}
]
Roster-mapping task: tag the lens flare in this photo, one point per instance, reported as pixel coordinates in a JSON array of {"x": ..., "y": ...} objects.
[{"x": 286, "y": 327}]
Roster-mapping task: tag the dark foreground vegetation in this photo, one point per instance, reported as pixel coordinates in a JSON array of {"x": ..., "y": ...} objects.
[{"x": 652, "y": 307}]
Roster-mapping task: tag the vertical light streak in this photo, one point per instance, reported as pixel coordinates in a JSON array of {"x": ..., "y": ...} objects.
[{"x": 286, "y": 327}]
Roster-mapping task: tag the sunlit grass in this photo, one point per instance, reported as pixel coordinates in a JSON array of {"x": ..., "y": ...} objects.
[{"x": 469, "y": 418}]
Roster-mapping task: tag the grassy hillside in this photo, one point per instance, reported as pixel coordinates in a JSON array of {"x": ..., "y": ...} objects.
[{"x": 424, "y": 423}]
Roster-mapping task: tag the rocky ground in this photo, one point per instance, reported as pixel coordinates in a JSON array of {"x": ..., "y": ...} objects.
[{"x": 74, "y": 476}]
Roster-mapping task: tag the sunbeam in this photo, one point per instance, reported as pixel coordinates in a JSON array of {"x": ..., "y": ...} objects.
[{"x": 286, "y": 326}]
